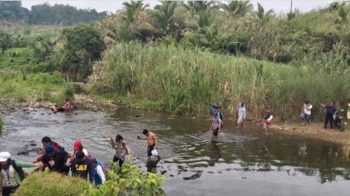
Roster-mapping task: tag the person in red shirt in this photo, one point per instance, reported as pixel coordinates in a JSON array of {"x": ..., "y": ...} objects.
[{"x": 47, "y": 141}]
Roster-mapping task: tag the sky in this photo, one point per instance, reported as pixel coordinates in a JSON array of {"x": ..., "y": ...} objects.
[{"x": 279, "y": 6}]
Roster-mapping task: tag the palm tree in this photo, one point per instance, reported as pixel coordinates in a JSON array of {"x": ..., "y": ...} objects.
[
  {"x": 132, "y": 11},
  {"x": 164, "y": 15},
  {"x": 262, "y": 15},
  {"x": 237, "y": 8},
  {"x": 199, "y": 6}
]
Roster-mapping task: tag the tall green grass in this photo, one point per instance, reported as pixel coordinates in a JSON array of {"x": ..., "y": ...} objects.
[
  {"x": 1, "y": 124},
  {"x": 185, "y": 80}
]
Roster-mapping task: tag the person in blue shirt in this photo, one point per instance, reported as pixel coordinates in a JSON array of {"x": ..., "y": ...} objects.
[{"x": 330, "y": 110}]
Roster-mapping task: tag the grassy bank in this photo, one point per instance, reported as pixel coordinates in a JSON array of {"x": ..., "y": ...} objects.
[
  {"x": 17, "y": 86},
  {"x": 179, "y": 80}
]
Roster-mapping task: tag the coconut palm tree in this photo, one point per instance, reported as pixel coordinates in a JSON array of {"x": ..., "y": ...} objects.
[
  {"x": 237, "y": 8},
  {"x": 164, "y": 15},
  {"x": 132, "y": 10},
  {"x": 198, "y": 6},
  {"x": 262, "y": 15}
]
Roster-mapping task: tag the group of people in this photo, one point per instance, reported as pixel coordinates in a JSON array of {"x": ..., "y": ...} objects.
[
  {"x": 216, "y": 126},
  {"x": 66, "y": 107},
  {"x": 331, "y": 116},
  {"x": 79, "y": 163}
]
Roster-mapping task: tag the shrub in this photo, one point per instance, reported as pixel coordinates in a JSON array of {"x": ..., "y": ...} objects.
[
  {"x": 130, "y": 181},
  {"x": 47, "y": 184}
]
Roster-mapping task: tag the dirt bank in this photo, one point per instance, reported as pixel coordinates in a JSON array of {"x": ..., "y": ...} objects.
[{"x": 315, "y": 131}]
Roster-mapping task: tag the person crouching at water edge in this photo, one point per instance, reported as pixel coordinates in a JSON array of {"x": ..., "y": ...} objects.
[
  {"x": 267, "y": 120},
  {"x": 215, "y": 127}
]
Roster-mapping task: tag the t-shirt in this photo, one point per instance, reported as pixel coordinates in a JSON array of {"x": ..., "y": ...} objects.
[
  {"x": 307, "y": 109},
  {"x": 330, "y": 109},
  {"x": 83, "y": 169},
  {"x": 216, "y": 122},
  {"x": 59, "y": 159}
]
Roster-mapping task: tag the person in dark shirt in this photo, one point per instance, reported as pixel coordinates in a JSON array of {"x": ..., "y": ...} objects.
[
  {"x": 47, "y": 141},
  {"x": 55, "y": 160},
  {"x": 82, "y": 166},
  {"x": 330, "y": 110}
]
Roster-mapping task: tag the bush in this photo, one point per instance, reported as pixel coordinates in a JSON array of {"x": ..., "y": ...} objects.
[
  {"x": 130, "y": 181},
  {"x": 47, "y": 184}
]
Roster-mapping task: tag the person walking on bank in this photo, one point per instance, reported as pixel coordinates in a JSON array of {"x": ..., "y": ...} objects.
[
  {"x": 330, "y": 110},
  {"x": 242, "y": 114},
  {"x": 307, "y": 112}
]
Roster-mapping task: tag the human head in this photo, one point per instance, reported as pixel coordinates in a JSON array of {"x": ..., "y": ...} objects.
[
  {"x": 267, "y": 109},
  {"x": 67, "y": 100},
  {"x": 46, "y": 141},
  {"x": 242, "y": 104},
  {"x": 119, "y": 138},
  {"x": 80, "y": 155},
  {"x": 307, "y": 101},
  {"x": 49, "y": 150},
  {"x": 145, "y": 132},
  {"x": 4, "y": 157},
  {"x": 77, "y": 145}
]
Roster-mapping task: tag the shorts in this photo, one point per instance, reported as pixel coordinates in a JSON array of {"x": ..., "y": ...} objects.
[
  {"x": 149, "y": 150},
  {"x": 240, "y": 119},
  {"x": 216, "y": 132}
]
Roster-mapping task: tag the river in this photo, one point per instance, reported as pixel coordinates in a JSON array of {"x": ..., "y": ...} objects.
[{"x": 246, "y": 163}]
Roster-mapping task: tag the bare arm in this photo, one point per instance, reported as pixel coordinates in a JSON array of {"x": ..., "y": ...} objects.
[{"x": 140, "y": 138}]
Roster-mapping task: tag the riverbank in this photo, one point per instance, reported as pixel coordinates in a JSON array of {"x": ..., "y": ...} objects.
[{"x": 313, "y": 131}]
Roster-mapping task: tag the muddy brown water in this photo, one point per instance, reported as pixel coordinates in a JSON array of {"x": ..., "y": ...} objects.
[{"x": 246, "y": 163}]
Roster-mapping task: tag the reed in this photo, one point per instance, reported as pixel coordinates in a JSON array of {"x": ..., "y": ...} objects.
[{"x": 184, "y": 80}]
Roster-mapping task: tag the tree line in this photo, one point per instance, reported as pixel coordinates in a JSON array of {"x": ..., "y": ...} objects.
[{"x": 45, "y": 14}]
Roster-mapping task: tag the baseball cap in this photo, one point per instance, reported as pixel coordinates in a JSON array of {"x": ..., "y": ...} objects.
[{"x": 4, "y": 156}]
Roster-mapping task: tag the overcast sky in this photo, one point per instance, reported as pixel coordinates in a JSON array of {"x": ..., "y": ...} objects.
[{"x": 279, "y": 6}]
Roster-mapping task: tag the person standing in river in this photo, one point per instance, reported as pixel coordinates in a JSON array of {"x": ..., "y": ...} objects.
[
  {"x": 242, "y": 114},
  {"x": 267, "y": 120},
  {"x": 151, "y": 141},
  {"x": 330, "y": 110},
  {"x": 215, "y": 127},
  {"x": 122, "y": 151}
]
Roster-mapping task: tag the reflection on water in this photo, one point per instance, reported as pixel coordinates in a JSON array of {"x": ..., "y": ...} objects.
[{"x": 247, "y": 162}]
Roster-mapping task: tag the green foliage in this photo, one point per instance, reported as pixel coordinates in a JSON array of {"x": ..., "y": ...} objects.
[
  {"x": 47, "y": 184},
  {"x": 45, "y": 14},
  {"x": 83, "y": 46},
  {"x": 189, "y": 79},
  {"x": 68, "y": 91},
  {"x": 131, "y": 181}
]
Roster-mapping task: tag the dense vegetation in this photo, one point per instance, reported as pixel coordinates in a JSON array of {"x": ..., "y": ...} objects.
[
  {"x": 45, "y": 14},
  {"x": 182, "y": 56},
  {"x": 130, "y": 182}
]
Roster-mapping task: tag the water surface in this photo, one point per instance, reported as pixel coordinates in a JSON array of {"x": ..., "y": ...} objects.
[{"x": 246, "y": 162}]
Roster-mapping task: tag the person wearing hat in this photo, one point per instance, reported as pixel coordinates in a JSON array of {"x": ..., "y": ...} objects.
[
  {"x": 11, "y": 173},
  {"x": 82, "y": 166},
  {"x": 55, "y": 160},
  {"x": 79, "y": 146}
]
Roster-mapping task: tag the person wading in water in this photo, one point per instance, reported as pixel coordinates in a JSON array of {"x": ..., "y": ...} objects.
[
  {"x": 122, "y": 151},
  {"x": 152, "y": 149}
]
